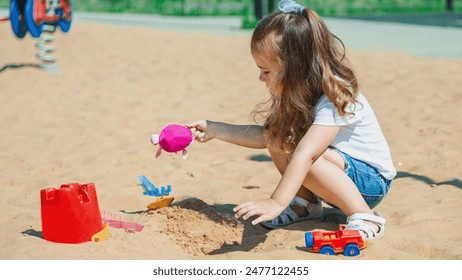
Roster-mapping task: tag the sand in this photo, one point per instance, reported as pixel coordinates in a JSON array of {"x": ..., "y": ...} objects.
[{"x": 116, "y": 85}]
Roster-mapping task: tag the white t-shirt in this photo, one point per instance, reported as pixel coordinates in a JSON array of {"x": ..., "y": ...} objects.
[{"x": 360, "y": 135}]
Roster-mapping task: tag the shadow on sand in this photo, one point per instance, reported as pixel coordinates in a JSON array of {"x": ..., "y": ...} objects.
[
  {"x": 453, "y": 182},
  {"x": 18, "y": 66}
]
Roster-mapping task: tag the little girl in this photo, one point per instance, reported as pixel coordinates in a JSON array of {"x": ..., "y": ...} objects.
[{"x": 321, "y": 132}]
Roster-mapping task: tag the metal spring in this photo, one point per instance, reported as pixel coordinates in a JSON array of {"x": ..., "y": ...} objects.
[{"x": 48, "y": 62}]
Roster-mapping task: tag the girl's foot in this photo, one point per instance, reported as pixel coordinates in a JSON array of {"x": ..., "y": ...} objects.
[
  {"x": 371, "y": 226},
  {"x": 299, "y": 210}
]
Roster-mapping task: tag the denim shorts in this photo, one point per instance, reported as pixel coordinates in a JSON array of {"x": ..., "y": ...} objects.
[{"x": 370, "y": 183}]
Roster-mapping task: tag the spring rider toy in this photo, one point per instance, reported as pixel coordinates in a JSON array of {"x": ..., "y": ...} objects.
[
  {"x": 38, "y": 16},
  {"x": 33, "y": 15}
]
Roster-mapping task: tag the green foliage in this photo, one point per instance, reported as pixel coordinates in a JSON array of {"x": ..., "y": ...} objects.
[
  {"x": 164, "y": 7},
  {"x": 369, "y": 7},
  {"x": 245, "y": 7}
]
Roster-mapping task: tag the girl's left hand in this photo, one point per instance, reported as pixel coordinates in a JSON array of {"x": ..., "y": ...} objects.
[{"x": 266, "y": 209}]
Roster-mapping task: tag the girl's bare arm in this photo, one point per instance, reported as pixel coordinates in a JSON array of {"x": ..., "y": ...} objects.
[{"x": 250, "y": 136}]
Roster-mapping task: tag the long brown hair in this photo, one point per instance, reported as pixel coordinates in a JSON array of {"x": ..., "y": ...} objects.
[{"x": 313, "y": 62}]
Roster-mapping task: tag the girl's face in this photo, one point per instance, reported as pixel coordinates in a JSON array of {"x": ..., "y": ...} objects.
[{"x": 270, "y": 72}]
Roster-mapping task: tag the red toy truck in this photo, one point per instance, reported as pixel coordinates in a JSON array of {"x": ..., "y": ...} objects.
[{"x": 348, "y": 242}]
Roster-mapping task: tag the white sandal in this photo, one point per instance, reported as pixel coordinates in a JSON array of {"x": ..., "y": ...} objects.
[
  {"x": 357, "y": 222},
  {"x": 288, "y": 216}
]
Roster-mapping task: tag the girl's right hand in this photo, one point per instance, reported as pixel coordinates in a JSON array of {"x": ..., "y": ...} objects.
[{"x": 200, "y": 130}]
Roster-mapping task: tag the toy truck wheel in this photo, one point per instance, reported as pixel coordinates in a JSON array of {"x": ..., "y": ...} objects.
[
  {"x": 327, "y": 250},
  {"x": 17, "y": 24},
  {"x": 309, "y": 241},
  {"x": 31, "y": 13},
  {"x": 351, "y": 250}
]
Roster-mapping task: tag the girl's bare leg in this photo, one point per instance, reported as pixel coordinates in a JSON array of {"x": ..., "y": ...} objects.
[
  {"x": 281, "y": 161},
  {"x": 326, "y": 179}
]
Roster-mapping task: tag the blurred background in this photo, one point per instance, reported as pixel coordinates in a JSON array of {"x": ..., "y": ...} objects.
[{"x": 429, "y": 12}]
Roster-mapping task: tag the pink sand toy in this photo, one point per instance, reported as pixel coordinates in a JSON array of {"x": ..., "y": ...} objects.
[
  {"x": 173, "y": 138},
  {"x": 118, "y": 221}
]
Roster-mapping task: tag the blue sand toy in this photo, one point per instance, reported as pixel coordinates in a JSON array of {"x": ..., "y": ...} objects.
[{"x": 151, "y": 190}]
